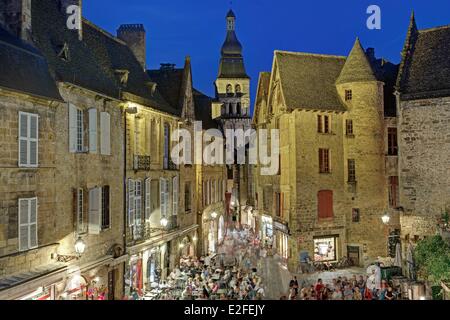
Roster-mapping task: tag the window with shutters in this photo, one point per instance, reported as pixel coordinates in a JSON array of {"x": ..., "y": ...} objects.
[
  {"x": 28, "y": 139},
  {"x": 28, "y": 215},
  {"x": 187, "y": 197},
  {"x": 325, "y": 204},
  {"x": 131, "y": 203},
  {"x": 175, "y": 187},
  {"x": 95, "y": 211},
  {"x": 164, "y": 197},
  {"x": 393, "y": 192},
  {"x": 79, "y": 207},
  {"x": 80, "y": 133},
  {"x": 148, "y": 199},
  {"x": 204, "y": 193},
  {"x": 105, "y": 132},
  {"x": 392, "y": 142},
  {"x": 92, "y": 130},
  {"x": 349, "y": 127},
  {"x": 351, "y": 170},
  {"x": 106, "y": 216},
  {"x": 138, "y": 201},
  {"x": 324, "y": 160}
]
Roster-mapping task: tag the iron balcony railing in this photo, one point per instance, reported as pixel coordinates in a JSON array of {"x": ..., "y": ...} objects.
[{"x": 141, "y": 162}]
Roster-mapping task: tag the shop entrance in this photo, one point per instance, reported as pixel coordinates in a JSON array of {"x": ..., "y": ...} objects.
[{"x": 353, "y": 255}]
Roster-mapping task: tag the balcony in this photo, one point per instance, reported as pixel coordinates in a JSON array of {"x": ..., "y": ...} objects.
[
  {"x": 141, "y": 163},
  {"x": 169, "y": 165}
]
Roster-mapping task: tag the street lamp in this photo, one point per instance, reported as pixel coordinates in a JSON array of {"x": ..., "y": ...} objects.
[
  {"x": 386, "y": 218},
  {"x": 164, "y": 222},
  {"x": 80, "y": 247}
]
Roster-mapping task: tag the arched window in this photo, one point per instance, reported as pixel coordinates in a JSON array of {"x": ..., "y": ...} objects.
[
  {"x": 238, "y": 88},
  {"x": 229, "y": 88}
]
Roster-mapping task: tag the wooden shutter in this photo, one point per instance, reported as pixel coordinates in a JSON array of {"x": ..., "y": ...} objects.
[
  {"x": 131, "y": 203},
  {"x": 148, "y": 208},
  {"x": 105, "y": 127},
  {"x": 138, "y": 201},
  {"x": 28, "y": 139},
  {"x": 33, "y": 243},
  {"x": 27, "y": 224},
  {"x": 93, "y": 130},
  {"x": 175, "y": 195},
  {"x": 95, "y": 210},
  {"x": 162, "y": 199},
  {"x": 72, "y": 128},
  {"x": 325, "y": 204}
]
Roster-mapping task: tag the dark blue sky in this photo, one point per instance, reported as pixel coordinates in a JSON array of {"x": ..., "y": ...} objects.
[{"x": 176, "y": 28}]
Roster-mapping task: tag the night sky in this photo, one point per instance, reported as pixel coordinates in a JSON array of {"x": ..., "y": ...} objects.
[{"x": 176, "y": 28}]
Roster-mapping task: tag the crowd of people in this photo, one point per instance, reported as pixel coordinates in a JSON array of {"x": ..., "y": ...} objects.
[
  {"x": 231, "y": 274},
  {"x": 343, "y": 288}
]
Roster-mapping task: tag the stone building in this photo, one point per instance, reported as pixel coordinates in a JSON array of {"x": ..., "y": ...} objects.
[
  {"x": 75, "y": 191},
  {"x": 423, "y": 96},
  {"x": 332, "y": 187}
]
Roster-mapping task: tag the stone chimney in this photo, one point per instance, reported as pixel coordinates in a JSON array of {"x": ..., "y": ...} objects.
[
  {"x": 134, "y": 36},
  {"x": 15, "y": 16},
  {"x": 370, "y": 52},
  {"x": 70, "y": 14}
]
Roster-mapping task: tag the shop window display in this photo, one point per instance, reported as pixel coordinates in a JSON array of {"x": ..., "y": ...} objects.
[{"x": 325, "y": 249}]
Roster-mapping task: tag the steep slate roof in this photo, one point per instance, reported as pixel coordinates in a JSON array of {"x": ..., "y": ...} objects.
[
  {"x": 357, "y": 68},
  {"x": 114, "y": 54},
  {"x": 50, "y": 33},
  {"x": 262, "y": 92},
  {"x": 308, "y": 80},
  {"x": 169, "y": 82},
  {"x": 425, "y": 67},
  {"x": 203, "y": 110},
  {"x": 24, "y": 69}
]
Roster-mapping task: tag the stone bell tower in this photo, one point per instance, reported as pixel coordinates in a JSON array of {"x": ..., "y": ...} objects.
[{"x": 231, "y": 108}]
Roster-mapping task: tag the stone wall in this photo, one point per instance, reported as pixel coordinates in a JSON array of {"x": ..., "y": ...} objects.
[{"x": 424, "y": 144}]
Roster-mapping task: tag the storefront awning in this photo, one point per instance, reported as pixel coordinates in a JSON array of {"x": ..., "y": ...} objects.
[{"x": 21, "y": 284}]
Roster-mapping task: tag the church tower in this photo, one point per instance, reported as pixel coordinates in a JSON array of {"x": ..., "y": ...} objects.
[{"x": 231, "y": 108}]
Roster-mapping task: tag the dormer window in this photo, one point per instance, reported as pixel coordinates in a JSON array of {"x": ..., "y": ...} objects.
[
  {"x": 63, "y": 52},
  {"x": 238, "y": 88},
  {"x": 122, "y": 76},
  {"x": 348, "y": 95},
  {"x": 152, "y": 86}
]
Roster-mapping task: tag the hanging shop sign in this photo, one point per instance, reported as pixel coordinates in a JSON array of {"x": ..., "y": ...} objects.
[{"x": 283, "y": 227}]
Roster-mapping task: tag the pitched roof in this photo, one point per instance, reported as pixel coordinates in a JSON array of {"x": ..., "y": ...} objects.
[
  {"x": 357, "y": 68},
  {"x": 113, "y": 54},
  {"x": 50, "y": 34},
  {"x": 262, "y": 92},
  {"x": 308, "y": 80},
  {"x": 169, "y": 82},
  {"x": 203, "y": 110},
  {"x": 425, "y": 68},
  {"x": 24, "y": 69}
]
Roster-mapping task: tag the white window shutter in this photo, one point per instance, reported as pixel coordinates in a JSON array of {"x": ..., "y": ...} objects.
[
  {"x": 138, "y": 201},
  {"x": 23, "y": 224},
  {"x": 72, "y": 128},
  {"x": 23, "y": 139},
  {"x": 105, "y": 128},
  {"x": 162, "y": 198},
  {"x": 33, "y": 239},
  {"x": 93, "y": 130},
  {"x": 95, "y": 210},
  {"x": 148, "y": 209},
  {"x": 175, "y": 195},
  {"x": 33, "y": 140},
  {"x": 131, "y": 203}
]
